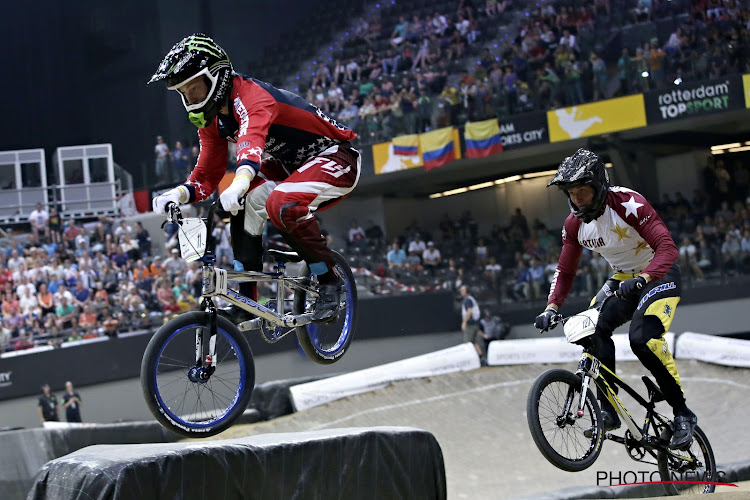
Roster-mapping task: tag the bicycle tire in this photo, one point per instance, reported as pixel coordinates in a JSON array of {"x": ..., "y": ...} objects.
[
  {"x": 174, "y": 399},
  {"x": 700, "y": 447},
  {"x": 326, "y": 343},
  {"x": 562, "y": 383}
]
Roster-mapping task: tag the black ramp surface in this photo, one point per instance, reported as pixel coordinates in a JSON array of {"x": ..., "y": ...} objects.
[{"x": 362, "y": 463}]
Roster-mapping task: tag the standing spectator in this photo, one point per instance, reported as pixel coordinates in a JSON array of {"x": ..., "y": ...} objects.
[
  {"x": 144, "y": 239},
  {"x": 39, "y": 220},
  {"x": 55, "y": 226},
  {"x": 48, "y": 408},
  {"x": 374, "y": 233},
  {"x": 71, "y": 403},
  {"x": 180, "y": 160},
  {"x": 161, "y": 152},
  {"x": 223, "y": 242},
  {"x": 600, "y": 76},
  {"x": 470, "y": 315},
  {"x": 624, "y": 71}
]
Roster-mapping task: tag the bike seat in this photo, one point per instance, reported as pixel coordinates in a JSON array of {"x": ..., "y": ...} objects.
[
  {"x": 652, "y": 387},
  {"x": 279, "y": 255}
]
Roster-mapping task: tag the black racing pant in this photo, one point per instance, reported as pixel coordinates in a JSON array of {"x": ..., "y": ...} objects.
[{"x": 651, "y": 313}]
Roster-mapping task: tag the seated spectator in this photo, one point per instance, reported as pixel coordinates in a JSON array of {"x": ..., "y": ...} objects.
[
  {"x": 431, "y": 257},
  {"x": 186, "y": 301},
  {"x": 356, "y": 236},
  {"x": 730, "y": 253},
  {"x": 175, "y": 265},
  {"x": 87, "y": 320},
  {"x": 374, "y": 233},
  {"x": 110, "y": 323},
  {"x": 81, "y": 294},
  {"x": 399, "y": 32},
  {"x": 171, "y": 309},
  {"x": 395, "y": 256},
  {"x": 688, "y": 259},
  {"x": 65, "y": 314}
]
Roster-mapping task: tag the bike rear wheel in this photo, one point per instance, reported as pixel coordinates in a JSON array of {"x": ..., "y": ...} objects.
[
  {"x": 177, "y": 396},
  {"x": 325, "y": 343},
  {"x": 688, "y": 476},
  {"x": 551, "y": 413}
]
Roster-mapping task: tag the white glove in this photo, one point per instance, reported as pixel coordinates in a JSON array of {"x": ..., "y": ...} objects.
[
  {"x": 230, "y": 197},
  {"x": 179, "y": 195}
]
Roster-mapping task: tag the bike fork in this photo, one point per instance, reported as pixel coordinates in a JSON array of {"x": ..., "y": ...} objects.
[
  {"x": 210, "y": 360},
  {"x": 584, "y": 392}
]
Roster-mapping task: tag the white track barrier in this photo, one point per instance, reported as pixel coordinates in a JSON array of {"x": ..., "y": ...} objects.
[
  {"x": 553, "y": 350},
  {"x": 462, "y": 357},
  {"x": 714, "y": 349}
]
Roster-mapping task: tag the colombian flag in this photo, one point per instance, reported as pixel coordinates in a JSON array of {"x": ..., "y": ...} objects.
[
  {"x": 437, "y": 147},
  {"x": 405, "y": 145},
  {"x": 483, "y": 139}
]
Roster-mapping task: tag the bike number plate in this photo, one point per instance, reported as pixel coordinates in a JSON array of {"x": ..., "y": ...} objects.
[{"x": 192, "y": 236}]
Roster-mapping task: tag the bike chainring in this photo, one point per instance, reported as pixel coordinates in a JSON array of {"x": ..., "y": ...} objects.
[
  {"x": 269, "y": 331},
  {"x": 635, "y": 450}
]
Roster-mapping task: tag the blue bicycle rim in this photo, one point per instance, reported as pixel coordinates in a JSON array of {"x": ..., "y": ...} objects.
[
  {"x": 314, "y": 329},
  {"x": 240, "y": 388}
]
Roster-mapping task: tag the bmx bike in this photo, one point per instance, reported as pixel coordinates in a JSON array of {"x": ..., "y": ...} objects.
[
  {"x": 198, "y": 372},
  {"x": 565, "y": 419}
]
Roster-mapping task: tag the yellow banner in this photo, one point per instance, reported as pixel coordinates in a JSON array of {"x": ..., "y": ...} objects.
[
  {"x": 385, "y": 160},
  {"x": 596, "y": 118},
  {"x": 746, "y": 87}
]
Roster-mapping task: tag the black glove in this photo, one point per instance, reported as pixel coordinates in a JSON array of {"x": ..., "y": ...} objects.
[
  {"x": 547, "y": 320},
  {"x": 631, "y": 287}
]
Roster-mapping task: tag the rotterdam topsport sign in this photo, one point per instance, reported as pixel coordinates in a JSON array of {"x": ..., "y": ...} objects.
[{"x": 694, "y": 99}]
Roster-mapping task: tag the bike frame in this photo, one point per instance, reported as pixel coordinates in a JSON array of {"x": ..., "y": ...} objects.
[
  {"x": 215, "y": 285},
  {"x": 590, "y": 368}
]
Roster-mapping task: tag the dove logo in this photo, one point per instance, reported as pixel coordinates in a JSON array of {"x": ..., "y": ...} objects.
[{"x": 596, "y": 118}]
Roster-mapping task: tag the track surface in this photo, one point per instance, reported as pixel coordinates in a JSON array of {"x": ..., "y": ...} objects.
[{"x": 479, "y": 419}]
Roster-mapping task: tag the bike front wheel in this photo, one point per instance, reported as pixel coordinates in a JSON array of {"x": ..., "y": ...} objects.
[
  {"x": 690, "y": 471},
  {"x": 182, "y": 396},
  {"x": 325, "y": 343},
  {"x": 557, "y": 431}
]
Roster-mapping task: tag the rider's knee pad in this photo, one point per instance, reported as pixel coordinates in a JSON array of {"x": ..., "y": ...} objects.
[
  {"x": 643, "y": 329},
  {"x": 284, "y": 213}
]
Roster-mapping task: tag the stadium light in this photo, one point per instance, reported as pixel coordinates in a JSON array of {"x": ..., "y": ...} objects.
[
  {"x": 726, "y": 146},
  {"x": 481, "y": 185},
  {"x": 644, "y": 74},
  {"x": 608, "y": 164},
  {"x": 737, "y": 150},
  {"x": 508, "y": 179},
  {"x": 539, "y": 174}
]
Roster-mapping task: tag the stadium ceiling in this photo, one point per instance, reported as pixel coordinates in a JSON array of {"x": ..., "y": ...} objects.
[{"x": 659, "y": 140}]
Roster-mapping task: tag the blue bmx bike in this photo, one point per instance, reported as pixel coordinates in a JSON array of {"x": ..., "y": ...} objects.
[{"x": 198, "y": 372}]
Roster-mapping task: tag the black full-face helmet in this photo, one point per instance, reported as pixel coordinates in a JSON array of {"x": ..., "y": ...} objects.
[
  {"x": 583, "y": 168},
  {"x": 198, "y": 56}
]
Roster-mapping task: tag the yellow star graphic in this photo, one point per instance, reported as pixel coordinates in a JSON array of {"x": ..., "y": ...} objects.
[
  {"x": 621, "y": 232},
  {"x": 642, "y": 245}
]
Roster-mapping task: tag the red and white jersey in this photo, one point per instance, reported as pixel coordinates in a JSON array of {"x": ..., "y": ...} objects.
[
  {"x": 263, "y": 119},
  {"x": 629, "y": 234}
]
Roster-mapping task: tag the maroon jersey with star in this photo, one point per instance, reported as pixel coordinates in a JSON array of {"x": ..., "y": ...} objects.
[
  {"x": 629, "y": 234},
  {"x": 263, "y": 119}
]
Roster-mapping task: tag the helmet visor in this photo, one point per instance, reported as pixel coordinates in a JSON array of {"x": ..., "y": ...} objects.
[{"x": 195, "y": 107}]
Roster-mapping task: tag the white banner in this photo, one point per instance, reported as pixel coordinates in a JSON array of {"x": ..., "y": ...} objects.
[
  {"x": 553, "y": 350},
  {"x": 714, "y": 349},
  {"x": 462, "y": 357},
  {"x": 527, "y": 351}
]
